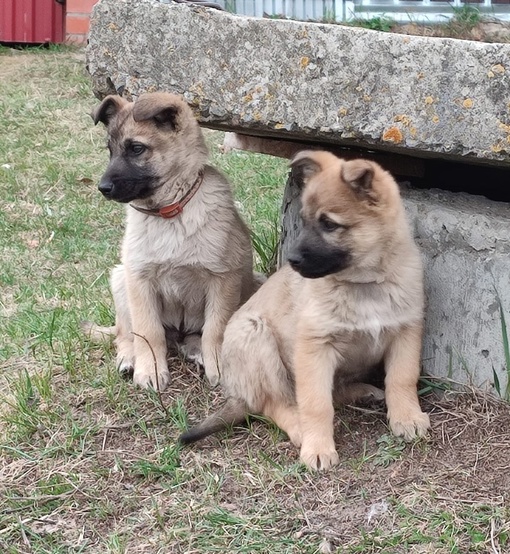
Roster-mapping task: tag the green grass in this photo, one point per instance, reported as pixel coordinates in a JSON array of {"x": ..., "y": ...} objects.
[
  {"x": 506, "y": 349},
  {"x": 466, "y": 15},
  {"x": 90, "y": 464},
  {"x": 375, "y": 23},
  {"x": 258, "y": 183},
  {"x": 504, "y": 393},
  {"x": 463, "y": 20}
]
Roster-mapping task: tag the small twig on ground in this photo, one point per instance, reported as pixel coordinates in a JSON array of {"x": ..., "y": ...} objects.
[
  {"x": 105, "y": 437},
  {"x": 158, "y": 390},
  {"x": 128, "y": 424},
  {"x": 43, "y": 499},
  {"x": 26, "y": 542},
  {"x": 495, "y": 549}
]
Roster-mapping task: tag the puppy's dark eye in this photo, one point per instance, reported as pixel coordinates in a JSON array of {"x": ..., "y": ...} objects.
[
  {"x": 136, "y": 149},
  {"x": 328, "y": 225}
]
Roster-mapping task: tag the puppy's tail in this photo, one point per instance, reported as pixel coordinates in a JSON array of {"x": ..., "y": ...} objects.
[
  {"x": 96, "y": 333},
  {"x": 233, "y": 412}
]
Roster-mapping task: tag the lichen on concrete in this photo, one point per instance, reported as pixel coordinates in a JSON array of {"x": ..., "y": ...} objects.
[{"x": 309, "y": 81}]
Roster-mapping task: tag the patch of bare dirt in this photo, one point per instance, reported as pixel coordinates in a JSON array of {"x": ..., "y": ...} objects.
[{"x": 464, "y": 463}]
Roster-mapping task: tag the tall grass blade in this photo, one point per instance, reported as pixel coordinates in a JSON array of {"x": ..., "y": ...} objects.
[
  {"x": 497, "y": 385},
  {"x": 506, "y": 349}
]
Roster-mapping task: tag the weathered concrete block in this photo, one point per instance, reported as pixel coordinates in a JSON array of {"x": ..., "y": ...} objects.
[
  {"x": 309, "y": 81},
  {"x": 465, "y": 241}
]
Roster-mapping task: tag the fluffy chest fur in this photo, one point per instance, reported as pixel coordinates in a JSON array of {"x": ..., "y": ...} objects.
[
  {"x": 364, "y": 307},
  {"x": 359, "y": 318},
  {"x": 156, "y": 245},
  {"x": 202, "y": 236},
  {"x": 179, "y": 255}
]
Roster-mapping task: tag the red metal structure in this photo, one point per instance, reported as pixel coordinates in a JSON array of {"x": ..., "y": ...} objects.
[{"x": 32, "y": 21}]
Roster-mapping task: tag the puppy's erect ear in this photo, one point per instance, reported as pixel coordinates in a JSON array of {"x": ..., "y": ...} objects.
[
  {"x": 108, "y": 108},
  {"x": 305, "y": 164},
  {"x": 164, "y": 108},
  {"x": 359, "y": 175},
  {"x": 308, "y": 163}
]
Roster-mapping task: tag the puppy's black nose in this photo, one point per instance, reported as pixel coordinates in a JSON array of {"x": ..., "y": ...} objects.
[
  {"x": 106, "y": 188},
  {"x": 295, "y": 259}
]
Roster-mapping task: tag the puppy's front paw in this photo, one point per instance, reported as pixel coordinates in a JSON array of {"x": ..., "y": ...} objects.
[
  {"x": 125, "y": 366},
  {"x": 319, "y": 455},
  {"x": 409, "y": 425},
  {"x": 211, "y": 366},
  {"x": 147, "y": 378},
  {"x": 212, "y": 374}
]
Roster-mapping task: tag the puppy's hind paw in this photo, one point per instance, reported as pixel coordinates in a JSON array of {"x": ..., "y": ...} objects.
[
  {"x": 213, "y": 376},
  {"x": 191, "y": 349},
  {"x": 295, "y": 436}
]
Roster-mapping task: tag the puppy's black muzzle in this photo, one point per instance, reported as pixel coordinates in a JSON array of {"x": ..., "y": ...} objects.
[
  {"x": 313, "y": 257},
  {"x": 124, "y": 181},
  {"x": 106, "y": 189},
  {"x": 127, "y": 188}
]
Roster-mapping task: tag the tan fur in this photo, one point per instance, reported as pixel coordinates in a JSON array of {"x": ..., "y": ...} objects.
[
  {"x": 189, "y": 273},
  {"x": 299, "y": 345}
]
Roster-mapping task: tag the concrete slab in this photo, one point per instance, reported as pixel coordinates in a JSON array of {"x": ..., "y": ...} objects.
[{"x": 308, "y": 81}]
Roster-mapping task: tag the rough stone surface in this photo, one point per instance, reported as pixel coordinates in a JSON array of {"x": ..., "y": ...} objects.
[
  {"x": 465, "y": 242},
  {"x": 310, "y": 81}
]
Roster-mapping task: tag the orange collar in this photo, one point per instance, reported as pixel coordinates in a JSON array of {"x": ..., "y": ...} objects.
[{"x": 173, "y": 210}]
